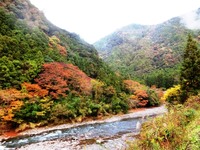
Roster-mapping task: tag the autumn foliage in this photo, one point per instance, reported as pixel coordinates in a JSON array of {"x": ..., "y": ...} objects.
[
  {"x": 140, "y": 95},
  {"x": 10, "y": 100},
  {"x": 59, "y": 79},
  {"x": 35, "y": 90},
  {"x": 38, "y": 86},
  {"x": 54, "y": 43},
  {"x": 131, "y": 85}
]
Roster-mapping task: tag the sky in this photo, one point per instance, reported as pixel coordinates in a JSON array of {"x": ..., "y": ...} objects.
[{"x": 94, "y": 19}]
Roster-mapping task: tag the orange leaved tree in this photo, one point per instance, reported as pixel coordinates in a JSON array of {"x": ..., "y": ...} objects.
[
  {"x": 60, "y": 79},
  {"x": 34, "y": 90},
  {"x": 11, "y": 100}
]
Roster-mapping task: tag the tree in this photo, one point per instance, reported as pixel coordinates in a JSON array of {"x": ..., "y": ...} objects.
[
  {"x": 60, "y": 78},
  {"x": 34, "y": 90},
  {"x": 11, "y": 100},
  {"x": 190, "y": 71}
]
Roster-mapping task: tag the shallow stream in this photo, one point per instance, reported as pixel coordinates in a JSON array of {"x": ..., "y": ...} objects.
[{"x": 111, "y": 134}]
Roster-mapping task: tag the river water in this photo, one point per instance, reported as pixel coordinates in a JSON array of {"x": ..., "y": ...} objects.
[{"x": 113, "y": 133}]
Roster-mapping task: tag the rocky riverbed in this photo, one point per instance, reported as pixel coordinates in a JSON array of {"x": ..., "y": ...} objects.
[{"x": 111, "y": 133}]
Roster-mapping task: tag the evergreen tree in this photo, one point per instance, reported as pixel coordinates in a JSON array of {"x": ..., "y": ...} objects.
[{"x": 190, "y": 71}]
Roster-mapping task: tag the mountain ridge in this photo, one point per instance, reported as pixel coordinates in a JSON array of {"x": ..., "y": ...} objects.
[
  {"x": 49, "y": 75},
  {"x": 140, "y": 50}
]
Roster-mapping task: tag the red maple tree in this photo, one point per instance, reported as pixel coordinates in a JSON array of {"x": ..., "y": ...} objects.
[{"x": 60, "y": 79}]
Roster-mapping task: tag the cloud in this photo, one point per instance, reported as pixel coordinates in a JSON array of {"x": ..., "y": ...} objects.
[
  {"x": 94, "y": 19},
  {"x": 191, "y": 20}
]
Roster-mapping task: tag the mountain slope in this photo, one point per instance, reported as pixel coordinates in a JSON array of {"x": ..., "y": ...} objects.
[
  {"x": 74, "y": 49},
  {"x": 49, "y": 75},
  {"x": 144, "y": 52}
]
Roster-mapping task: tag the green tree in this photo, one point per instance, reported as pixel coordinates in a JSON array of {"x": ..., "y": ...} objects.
[{"x": 190, "y": 71}]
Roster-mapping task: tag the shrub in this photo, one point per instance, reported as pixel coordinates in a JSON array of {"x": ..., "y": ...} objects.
[
  {"x": 97, "y": 89},
  {"x": 173, "y": 95},
  {"x": 34, "y": 110},
  {"x": 166, "y": 132},
  {"x": 141, "y": 95},
  {"x": 178, "y": 129},
  {"x": 131, "y": 86},
  {"x": 153, "y": 99},
  {"x": 193, "y": 102},
  {"x": 10, "y": 102},
  {"x": 118, "y": 105}
]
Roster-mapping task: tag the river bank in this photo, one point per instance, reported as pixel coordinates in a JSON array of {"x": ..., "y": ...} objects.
[{"x": 88, "y": 142}]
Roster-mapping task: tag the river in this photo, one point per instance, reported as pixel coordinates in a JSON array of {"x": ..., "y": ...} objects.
[{"x": 112, "y": 133}]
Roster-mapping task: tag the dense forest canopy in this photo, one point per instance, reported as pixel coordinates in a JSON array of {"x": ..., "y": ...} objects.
[
  {"x": 151, "y": 54},
  {"x": 49, "y": 75},
  {"x": 179, "y": 128}
]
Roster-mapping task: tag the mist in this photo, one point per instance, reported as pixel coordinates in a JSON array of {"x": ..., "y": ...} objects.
[{"x": 191, "y": 20}]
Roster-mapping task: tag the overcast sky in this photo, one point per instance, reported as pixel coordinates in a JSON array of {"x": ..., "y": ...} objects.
[{"x": 93, "y": 19}]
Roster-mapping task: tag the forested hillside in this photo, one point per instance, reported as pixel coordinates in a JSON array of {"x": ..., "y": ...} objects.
[
  {"x": 180, "y": 127},
  {"x": 164, "y": 55},
  {"x": 50, "y": 76},
  {"x": 151, "y": 54}
]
